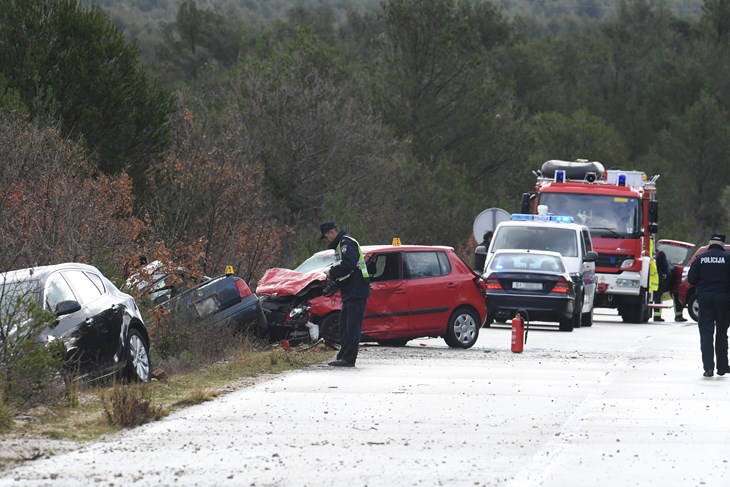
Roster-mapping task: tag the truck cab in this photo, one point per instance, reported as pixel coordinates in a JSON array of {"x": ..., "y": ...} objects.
[{"x": 557, "y": 234}]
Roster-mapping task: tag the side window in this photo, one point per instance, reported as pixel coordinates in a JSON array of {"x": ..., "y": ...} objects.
[
  {"x": 86, "y": 289},
  {"x": 384, "y": 267},
  {"x": 421, "y": 264},
  {"x": 57, "y": 290},
  {"x": 586, "y": 241},
  {"x": 97, "y": 281},
  {"x": 444, "y": 263}
]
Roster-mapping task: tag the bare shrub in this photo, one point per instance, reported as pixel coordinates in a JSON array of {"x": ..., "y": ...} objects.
[{"x": 130, "y": 405}]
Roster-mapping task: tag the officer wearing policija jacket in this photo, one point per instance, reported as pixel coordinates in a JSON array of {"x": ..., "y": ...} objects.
[
  {"x": 710, "y": 273},
  {"x": 354, "y": 282}
]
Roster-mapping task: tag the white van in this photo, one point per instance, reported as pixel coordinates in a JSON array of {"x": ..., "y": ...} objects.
[{"x": 557, "y": 234}]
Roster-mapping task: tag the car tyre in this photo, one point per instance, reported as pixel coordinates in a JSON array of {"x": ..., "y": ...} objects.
[
  {"x": 566, "y": 324},
  {"x": 693, "y": 307},
  {"x": 488, "y": 322},
  {"x": 139, "y": 365},
  {"x": 329, "y": 329},
  {"x": 587, "y": 319},
  {"x": 463, "y": 328},
  {"x": 577, "y": 313}
]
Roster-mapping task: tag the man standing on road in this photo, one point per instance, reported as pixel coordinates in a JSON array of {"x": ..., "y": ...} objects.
[
  {"x": 352, "y": 275},
  {"x": 710, "y": 272},
  {"x": 480, "y": 253},
  {"x": 665, "y": 269}
]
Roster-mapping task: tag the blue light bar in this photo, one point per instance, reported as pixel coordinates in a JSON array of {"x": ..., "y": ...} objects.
[
  {"x": 542, "y": 218},
  {"x": 559, "y": 176},
  {"x": 622, "y": 179}
]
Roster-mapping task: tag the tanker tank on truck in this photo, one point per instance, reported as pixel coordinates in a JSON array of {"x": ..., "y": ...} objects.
[{"x": 620, "y": 209}]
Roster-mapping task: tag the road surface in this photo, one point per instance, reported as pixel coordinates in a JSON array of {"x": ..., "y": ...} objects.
[{"x": 612, "y": 405}]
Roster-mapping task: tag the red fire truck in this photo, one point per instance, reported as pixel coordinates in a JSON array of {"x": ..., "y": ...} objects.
[{"x": 620, "y": 209}]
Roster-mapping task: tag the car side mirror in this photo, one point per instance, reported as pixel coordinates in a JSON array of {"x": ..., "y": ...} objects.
[
  {"x": 653, "y": 211},
  {"x": 653, "y": 228},
  {"x": 67, "y": 307},
  {"x": 591, "y": 256}
]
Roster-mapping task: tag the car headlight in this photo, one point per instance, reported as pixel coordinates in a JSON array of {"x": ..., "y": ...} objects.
[
  {"x": 299, "y": 311},
  {"x": 627, "y": 263}
]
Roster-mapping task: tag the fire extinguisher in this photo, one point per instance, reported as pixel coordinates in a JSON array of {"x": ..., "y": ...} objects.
[{"x": 520, "y": 327}]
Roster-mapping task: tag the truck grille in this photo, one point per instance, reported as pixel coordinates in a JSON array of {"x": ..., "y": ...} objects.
[{"x": 612, "y": 260}]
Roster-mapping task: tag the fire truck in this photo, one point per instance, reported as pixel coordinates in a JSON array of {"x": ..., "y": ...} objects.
[{"x": 620, "y": 209}]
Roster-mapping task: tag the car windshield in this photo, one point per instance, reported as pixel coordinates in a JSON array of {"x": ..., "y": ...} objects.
[
  {"x": 509, "y": 262},
  {"x": 606, "y": 216},
  {"x": 555, "y": 239},
  {"x": 15, "y": 297},
  {"x": 318, "y": 262}
]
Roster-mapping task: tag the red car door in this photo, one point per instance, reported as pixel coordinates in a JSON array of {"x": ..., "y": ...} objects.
[
  {"x": 431, "y": 287},
  {"x": 386, "y": 310}
]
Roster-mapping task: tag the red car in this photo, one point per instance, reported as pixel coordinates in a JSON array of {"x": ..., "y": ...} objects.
[
  {"x": 415, "y": 291},
  {"x": 686, "y": 291}
]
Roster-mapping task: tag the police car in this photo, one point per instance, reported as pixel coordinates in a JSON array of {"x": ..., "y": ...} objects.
[{"x": 554, "y": 233}]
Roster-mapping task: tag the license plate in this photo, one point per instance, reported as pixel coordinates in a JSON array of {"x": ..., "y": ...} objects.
[{"x": 530, "y": 286}]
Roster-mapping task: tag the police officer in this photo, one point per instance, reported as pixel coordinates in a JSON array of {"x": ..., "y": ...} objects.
[
  {"x": 351, "y": 273},
  {"x": 480, "y": 253},
  {"x": 710, "y": 272}
]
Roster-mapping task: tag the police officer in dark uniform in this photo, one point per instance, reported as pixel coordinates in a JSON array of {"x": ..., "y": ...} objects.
[
  {"x": 352, "y": 276},
  {"x": 480, "y": 253},
  {"x": 710, "y": 273}
]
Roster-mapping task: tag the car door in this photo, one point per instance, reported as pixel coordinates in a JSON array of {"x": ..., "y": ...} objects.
[
  {"x": 588, "y": 271},
  {"x": 76, "y": 329},
  {"x": 431, "y": 287},
  {"x": 107, "y": 316},
  {"x": 386, "y": 310}
]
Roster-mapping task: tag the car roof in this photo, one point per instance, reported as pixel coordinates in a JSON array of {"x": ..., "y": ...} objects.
[
  {"x": 529, "y": 251},
  {"x": 675, "y": 242},
  {"x": 41, "y": 272},
  {"x": 528, "y": 223},
  {"x": 368, "y": 249}
]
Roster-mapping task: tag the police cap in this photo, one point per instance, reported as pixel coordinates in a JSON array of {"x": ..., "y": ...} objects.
[
  {"x": 717, "y": 237},
  {"x": 326, "y": 227}
]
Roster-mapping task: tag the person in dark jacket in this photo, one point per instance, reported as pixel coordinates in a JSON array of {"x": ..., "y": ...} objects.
[
  {"x": 480, "y": 253},
  {"x": 665, "y": 269},
  {"x": 710, "y": 273},
  {"x": 351, "y": 273}
]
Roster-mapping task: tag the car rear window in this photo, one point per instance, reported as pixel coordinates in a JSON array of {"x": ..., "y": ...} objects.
[{"x": 520, "y": 262}]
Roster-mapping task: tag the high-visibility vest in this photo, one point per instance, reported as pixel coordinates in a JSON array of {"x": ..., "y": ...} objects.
[
  {"x": 653, "y": 272},
  {"x": 360, "y": 260}
]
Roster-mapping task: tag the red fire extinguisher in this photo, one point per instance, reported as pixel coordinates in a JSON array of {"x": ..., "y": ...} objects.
[{"x": 520, "y": 326}]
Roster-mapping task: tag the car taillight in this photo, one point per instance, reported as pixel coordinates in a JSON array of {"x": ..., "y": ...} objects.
[
  {"x": 561, "y": 286},
  {"x": 493, "y": 283},
  {"x": 243, "y": 289}
]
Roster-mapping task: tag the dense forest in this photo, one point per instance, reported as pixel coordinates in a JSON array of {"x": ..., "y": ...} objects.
[{"x": 225, "y": 132}]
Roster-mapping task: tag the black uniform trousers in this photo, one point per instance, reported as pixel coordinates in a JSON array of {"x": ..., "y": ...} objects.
[
  {"x": 713, "y": 319},
  {"x": 350, "y": 324}
]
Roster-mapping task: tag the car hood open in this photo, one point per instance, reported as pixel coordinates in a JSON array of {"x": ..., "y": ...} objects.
[{"x": 286, "y": 282}]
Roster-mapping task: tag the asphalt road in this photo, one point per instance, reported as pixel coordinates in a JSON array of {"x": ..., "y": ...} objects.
[{"x": 611, "y": 405}]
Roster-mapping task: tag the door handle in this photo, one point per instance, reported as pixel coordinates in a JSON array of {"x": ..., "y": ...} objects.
[{"x": 89, "y": 321}]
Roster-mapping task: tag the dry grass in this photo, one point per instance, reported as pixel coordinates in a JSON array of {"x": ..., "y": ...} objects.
[
  {"x": 102, "y": 409},
  {"x": 130, "y": 405}
]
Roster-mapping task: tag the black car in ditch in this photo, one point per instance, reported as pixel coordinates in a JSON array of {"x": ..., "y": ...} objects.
[
  {"x": 221, "y": 300},
  {"x": 100, "y": 327}
]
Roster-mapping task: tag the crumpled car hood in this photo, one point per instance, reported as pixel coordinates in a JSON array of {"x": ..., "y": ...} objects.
[{"x": 286, "y": 282}]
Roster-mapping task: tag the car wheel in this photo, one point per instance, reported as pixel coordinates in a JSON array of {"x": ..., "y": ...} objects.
[
  {"x": 566, "y": 324},
  {"x": 138, "y": 357},
  {"x": 329, "y": 329},
  {"x": 398, "y": 342},
  {"x": 463, "y": 328},
  {"x": 693, "y": 307},
  {"x": 587, "y": 319},
  {"x": 577, "y": 315}
]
